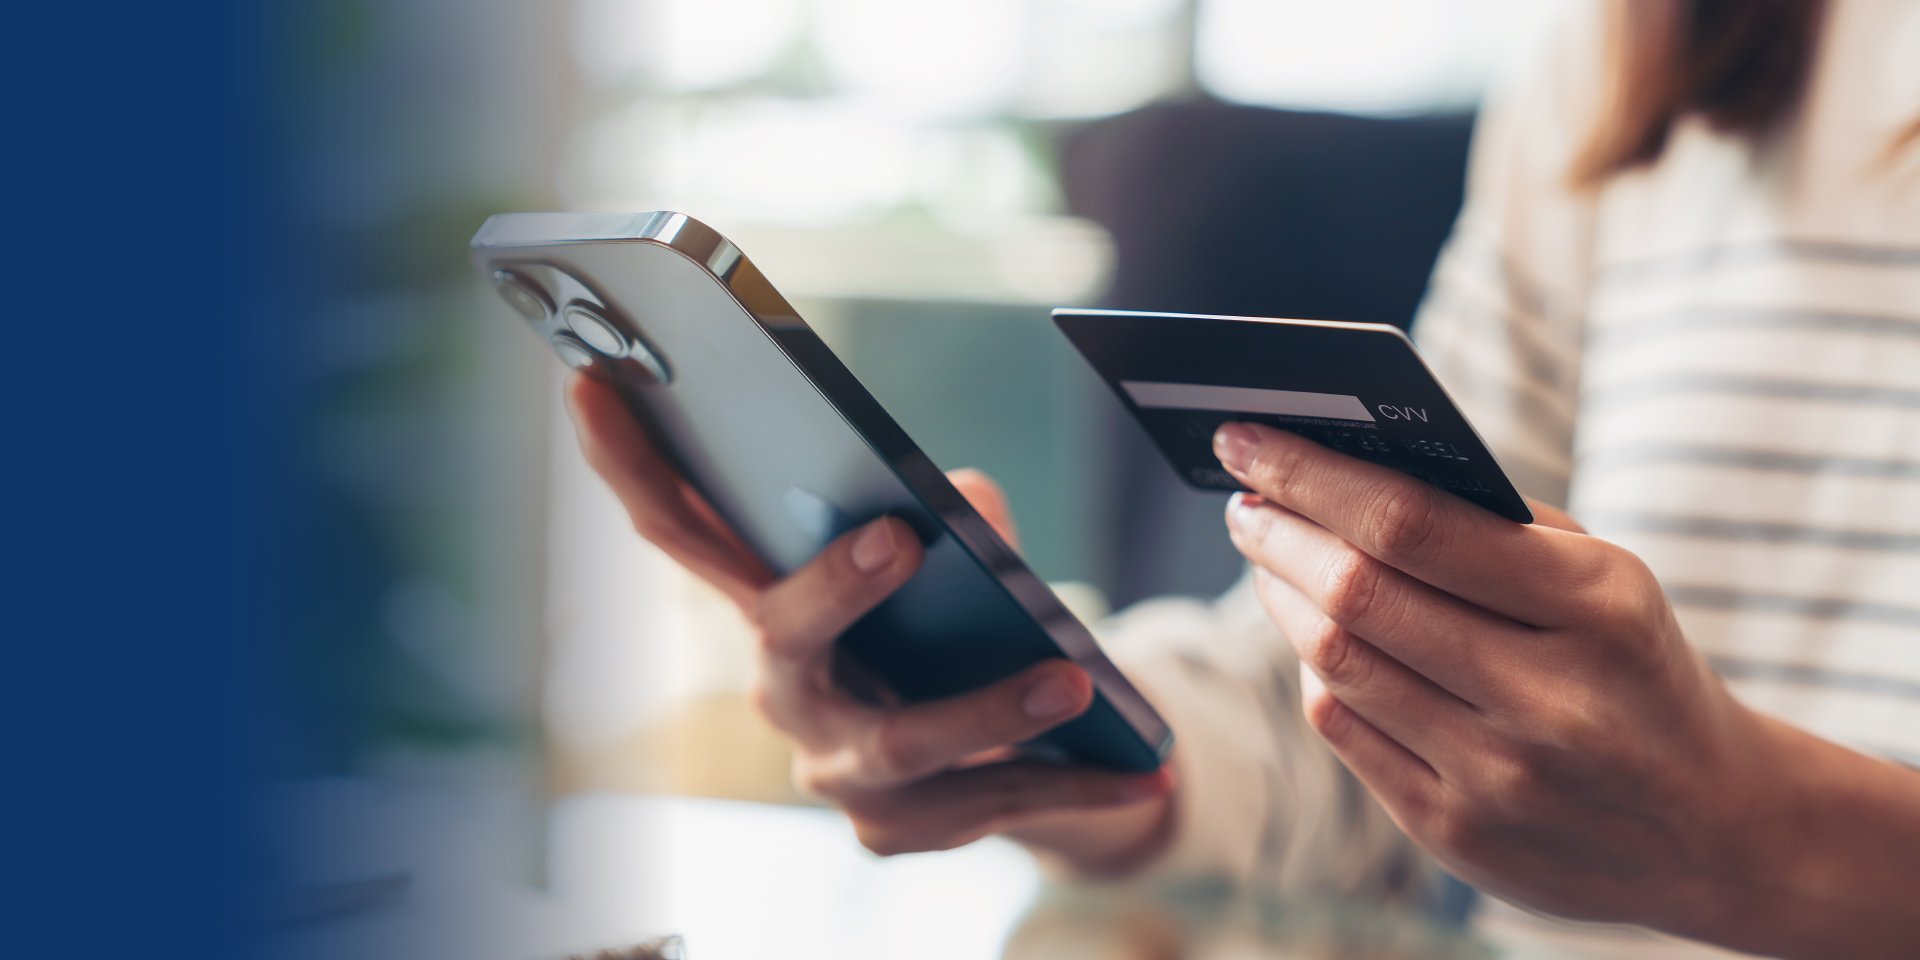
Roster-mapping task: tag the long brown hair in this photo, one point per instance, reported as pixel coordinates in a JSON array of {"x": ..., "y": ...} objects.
[{"x": 1742, "y": 65}]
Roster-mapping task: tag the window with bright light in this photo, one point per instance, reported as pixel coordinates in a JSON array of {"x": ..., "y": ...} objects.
[{"x": 1363, "y": 56}]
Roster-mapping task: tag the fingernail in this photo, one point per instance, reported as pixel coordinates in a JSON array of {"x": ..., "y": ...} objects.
[
  {"x": 1233, "y": 443},
  {"x": 874, "y": 549},
  {"x": 1240, "y": 508},
  {"x": 1050, "y": 698}
]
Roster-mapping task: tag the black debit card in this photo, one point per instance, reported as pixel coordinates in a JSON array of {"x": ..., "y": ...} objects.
[{"x": 1358, "y": 388}]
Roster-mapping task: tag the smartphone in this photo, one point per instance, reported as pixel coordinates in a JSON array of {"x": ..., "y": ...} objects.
[
  {"x": 1359, "y": 388},
  {"x": 791, "y": 451}
]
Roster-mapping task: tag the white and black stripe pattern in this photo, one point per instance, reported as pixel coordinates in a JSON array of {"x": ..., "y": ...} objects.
[
  {"x": 1713, "y": 361},
  {"x": 1745, "y": 399}
]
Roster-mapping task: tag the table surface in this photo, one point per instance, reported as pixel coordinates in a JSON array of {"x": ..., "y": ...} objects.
[{"x": 753, "y": 882}]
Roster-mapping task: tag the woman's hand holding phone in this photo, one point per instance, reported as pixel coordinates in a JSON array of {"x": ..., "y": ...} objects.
[{"x": 911, "y": 777}]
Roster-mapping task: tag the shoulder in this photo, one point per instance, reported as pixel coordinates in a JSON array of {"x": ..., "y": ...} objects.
[{"x": 1544, "y": 100}]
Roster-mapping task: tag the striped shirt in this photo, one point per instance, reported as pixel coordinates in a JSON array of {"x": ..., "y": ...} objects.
[{"x": 1713, "y": 361}]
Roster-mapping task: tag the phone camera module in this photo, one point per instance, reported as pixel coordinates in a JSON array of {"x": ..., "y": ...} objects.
[
  {"x": 523, "y": 295},
  {"x": 591, "y": 325},
  {"x": 610, "y": 340},
  {"x": 572, "y": 352}
]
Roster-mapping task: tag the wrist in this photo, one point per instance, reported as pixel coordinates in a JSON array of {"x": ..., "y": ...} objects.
[
  {"x": 1759, "y": 846},
  {"x": 1817, "y": 862},
  {"x": 1101, "y": 843}
]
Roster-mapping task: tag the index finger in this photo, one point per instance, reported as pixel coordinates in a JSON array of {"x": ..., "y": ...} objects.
[
  {"x": 664, "y": 509},
  {"x": 1525, "y": 571}
]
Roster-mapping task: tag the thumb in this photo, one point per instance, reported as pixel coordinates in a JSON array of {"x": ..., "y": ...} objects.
[{"x": 987, "y": 497}]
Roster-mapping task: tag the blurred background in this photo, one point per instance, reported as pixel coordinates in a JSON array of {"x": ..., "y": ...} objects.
[{"x": 460, "y": 601}]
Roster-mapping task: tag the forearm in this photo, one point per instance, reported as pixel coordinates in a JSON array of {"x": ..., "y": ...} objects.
[{"x": 1837, "y": 857}]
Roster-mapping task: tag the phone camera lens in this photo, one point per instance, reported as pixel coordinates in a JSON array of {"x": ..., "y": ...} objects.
[
  {"x": 608, "y": 340},
  {"x": 599, "y": 332},
  {"x": 523, "y": 295},
  {"x": 572, "y": 352}
]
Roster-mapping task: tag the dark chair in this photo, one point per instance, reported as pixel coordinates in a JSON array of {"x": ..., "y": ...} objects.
[{"x": 1216, "y": 208}]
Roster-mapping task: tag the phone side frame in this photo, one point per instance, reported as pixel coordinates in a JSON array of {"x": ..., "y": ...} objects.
[{"x": 724, "y": 262}]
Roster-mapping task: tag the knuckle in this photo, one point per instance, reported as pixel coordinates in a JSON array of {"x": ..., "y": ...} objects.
[
  {"x": 893, "y": 753},
  {"x": 1511, "y": 779},
  {"x": 597, "y": 457},
  {"x": 1353, "y": 584},
  {"x": 649, "y": 525},
  {"x": 1405, "y": 526},
  {"x": 1459, "y": 830},
  {"x": 1328, "y": 717},
  {"x": 763, "y": 624},
  {"x": 1620, "y": 591},
  {"x": 1419, "y": 804},
  {"x": 1583, "y": 734},
  {"x": 761, "y": 698},
  {"x": 1593, "y": 576},
  {"x": 1334, "y": 654},
  {"x": 1574, "y": 726},
  {"x": 882, "y": 839},
  {"x": 1599, "y": 585},
  {"x": 809, "y": 780}
]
